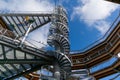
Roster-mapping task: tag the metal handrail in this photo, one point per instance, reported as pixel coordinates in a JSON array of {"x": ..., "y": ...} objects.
[{"x": 115, "y": 22}]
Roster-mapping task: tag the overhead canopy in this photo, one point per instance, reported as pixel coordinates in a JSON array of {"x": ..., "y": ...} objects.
[{"x": 18, "y": 22}]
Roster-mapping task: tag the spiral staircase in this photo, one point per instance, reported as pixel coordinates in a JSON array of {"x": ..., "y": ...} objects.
[{"x": 58, "y": 38}]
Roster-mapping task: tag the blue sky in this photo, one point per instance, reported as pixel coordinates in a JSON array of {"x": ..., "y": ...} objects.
[
  {"x": 88, "y": 19},
  {"x": 85, "y": 27}
]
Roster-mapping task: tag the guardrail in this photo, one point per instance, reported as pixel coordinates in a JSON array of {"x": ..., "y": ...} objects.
[
  {"x": 103, "y": 65},
  {"x": 113, "y": 41},
  {"x": 6, "y": 32}
]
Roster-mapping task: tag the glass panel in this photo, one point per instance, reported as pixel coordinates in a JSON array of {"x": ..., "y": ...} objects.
[
  {"x": 46, "y": 18},
  {"x": 15, "y": 26},
  {"x": 118, "y": 77},
  {"x": 111, "y": 77},
  {"x": 19, "y": 25},
  {"x": 15, "y": 19},
  {"x": 11, "y": 68},
  {"x": 4, "y": 70},
  {"x": 20, "y": 54},
  {"x": 21, "y": 78},
  {"x": 21, "y": 20},
  {"x": 28, "y": 56},
  {"x": 45, "y": 72},
  {"x": 22, "y": 68},
  {"x": 6, "y": 48},
  {"x": 18, "y": 67},
  {"x": 6, "y": 20},
  {"x": 42, "y": 20},
  {"x": 37, "y": 21},
  {"x": 34, "y": 23},
  {"x": 27, "y": 66},
  {"x": 1, "y": 52},
  {"x": 10, "y": 54},
  {"x": 103, "y": 65}
]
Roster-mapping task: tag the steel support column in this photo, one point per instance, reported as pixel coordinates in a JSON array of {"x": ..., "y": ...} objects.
[{"x": 56, "y": 70}]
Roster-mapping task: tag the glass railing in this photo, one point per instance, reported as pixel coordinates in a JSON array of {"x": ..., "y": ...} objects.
[
  {"x": 47, "y": 78},
  {"x": 103, "y": 65},
  {"x": 116, "y": 21},
  {"x": 115, "y": 76}
]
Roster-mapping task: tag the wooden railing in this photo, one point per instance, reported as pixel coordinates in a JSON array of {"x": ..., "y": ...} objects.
[
  {"x": 106, "y": 48},
  {"x": 6, "y": 32}
]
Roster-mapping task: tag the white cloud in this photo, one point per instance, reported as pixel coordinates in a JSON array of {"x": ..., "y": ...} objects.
[
  {"x": 94, "y": 11},
  {"x": 40, "y": 6},
  {"x": 40, "y": 35},
  {"x": 102, "y": 26},
  {"x": 26, "y": 5}
]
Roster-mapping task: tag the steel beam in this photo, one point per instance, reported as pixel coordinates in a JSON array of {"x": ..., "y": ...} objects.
[
  {"x": 26, "y": 49},
  {"x": 23, "y": 61}
]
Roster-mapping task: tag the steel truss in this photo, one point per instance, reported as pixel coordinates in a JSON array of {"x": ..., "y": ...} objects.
[
  {"x": 17, "y": 60},
  {"x": 16, "y": 22},
  {"x": 14, "y": 60}
]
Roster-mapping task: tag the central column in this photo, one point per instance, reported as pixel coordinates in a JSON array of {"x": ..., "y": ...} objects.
[
  {"x": 56, "y": 70},
  {"x": 58, "y": 38}
]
